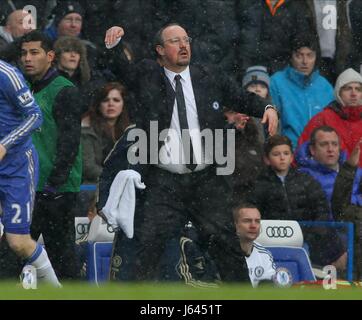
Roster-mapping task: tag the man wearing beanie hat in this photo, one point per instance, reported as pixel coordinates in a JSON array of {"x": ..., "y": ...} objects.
[
  {"x": 299, "y": 91},
  {"x": 68, "y": 19},
  {"x": 344, "y": 114}
]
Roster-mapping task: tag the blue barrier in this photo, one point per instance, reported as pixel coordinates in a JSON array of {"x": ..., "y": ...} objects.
[
  {"x": 88, "y": 187},
  {"x": 350, "y": 237}
]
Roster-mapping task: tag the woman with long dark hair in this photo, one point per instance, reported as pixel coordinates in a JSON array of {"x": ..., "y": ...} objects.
[{"x": 102, "y": 126}]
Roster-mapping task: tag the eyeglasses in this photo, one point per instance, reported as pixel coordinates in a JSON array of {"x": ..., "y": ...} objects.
[
  {"x": 73, "y": 20},
  {"x": 177, "y": 41}
]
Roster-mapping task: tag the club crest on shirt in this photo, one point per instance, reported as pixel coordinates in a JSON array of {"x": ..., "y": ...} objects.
[
  {"x": 283, "y": 278},
  {"x": 25, "y": 98},
  {"x": 259, "y": 271},
  {"x": 215, "y": 105}
]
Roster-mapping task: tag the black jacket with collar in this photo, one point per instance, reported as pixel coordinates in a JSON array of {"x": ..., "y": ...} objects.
[
  {"x": 300, "y": 197},
  {"x": 155, "y": 96}
]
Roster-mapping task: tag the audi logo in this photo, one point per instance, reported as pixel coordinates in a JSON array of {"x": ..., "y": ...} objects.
[
  {"x": 82, "y": 228},
  {"x": 279, "y": 232}
]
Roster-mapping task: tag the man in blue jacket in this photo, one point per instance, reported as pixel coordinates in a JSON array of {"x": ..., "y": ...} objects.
[
  {"x": 299, "y": 91},
  {"x": 322, "y": 158}
]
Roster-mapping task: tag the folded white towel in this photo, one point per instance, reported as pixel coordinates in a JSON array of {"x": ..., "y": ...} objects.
[{"x": 120, "y": 206}]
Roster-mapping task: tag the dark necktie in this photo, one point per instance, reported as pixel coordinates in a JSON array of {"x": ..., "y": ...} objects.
[{"x": 185, "y": 133}]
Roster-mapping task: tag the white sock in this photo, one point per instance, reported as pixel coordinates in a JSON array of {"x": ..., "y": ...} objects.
[{"x": 44, "y": 270}]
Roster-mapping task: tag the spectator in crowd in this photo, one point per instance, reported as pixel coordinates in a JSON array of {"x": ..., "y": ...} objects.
[
  {"x": 20, "y": 116},
  {"x": 342, "y": 207},
  {"x": 42, "y": 8},
  {"x": 331, "y": 24},
  {"x": 247, "y": 222},
  {"x": 175, "y": 187},
  {"x": 59, "y": 154},
  {"x": 68, "y": 21},
  {"x": 299, "y": 91},
  {"x": 267, "y": 30},
  {"x": 14, "y": 28},
  {"x": 343, "y": 114},
  {"x": 322, "y": 158},
  {"x": 102, "y": 126},
  {"x": 71, "y": 62},
  {"x": 283, "y": 193},
  {"x": 257, "y": 80}
]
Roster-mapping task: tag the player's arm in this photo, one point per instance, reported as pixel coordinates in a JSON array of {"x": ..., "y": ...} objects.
[{"x": 18, "y": 95}]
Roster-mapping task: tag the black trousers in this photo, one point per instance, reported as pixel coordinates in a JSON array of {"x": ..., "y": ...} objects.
[
  {"x": 169, "y": 202},
  {"x": 54, "y": 218}
]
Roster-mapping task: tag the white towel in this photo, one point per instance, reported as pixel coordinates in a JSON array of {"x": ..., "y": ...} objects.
[{"x": 120, "y": 206}]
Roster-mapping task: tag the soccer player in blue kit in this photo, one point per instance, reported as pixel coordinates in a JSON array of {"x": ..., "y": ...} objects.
[{"x": 19, "y": 117}]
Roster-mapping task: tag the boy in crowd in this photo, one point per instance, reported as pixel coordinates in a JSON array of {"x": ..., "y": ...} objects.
[{"x": 283, "y": 193}]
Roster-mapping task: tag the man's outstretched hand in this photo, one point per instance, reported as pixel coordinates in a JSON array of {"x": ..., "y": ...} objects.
[{"x": 113, "y": 35}]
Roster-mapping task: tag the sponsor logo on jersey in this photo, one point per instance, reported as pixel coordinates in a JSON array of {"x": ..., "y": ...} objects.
[{"x": 25, "y": 98}]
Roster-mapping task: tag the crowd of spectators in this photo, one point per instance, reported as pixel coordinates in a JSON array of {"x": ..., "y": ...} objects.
[{"x": 303, "y": 56}]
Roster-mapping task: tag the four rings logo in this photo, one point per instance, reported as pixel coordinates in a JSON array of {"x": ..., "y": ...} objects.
[
  {"x": 279, "y": 232},
  {"x": 82, "y": 228}
]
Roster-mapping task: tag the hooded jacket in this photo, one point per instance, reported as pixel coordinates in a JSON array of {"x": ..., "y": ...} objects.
[
  {"x": 298, "y": 98},
  {"x": 346, "y": 120},
  {"x": 326, "y": 176}
]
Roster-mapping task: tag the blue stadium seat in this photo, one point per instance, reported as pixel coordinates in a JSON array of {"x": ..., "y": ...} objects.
[
  {"x": 296, "y": 260},
  {"x": 98, "y": 261}
]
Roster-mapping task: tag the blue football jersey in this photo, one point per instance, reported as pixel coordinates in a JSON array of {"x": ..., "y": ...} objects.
[{"x": 20, "y": 115}]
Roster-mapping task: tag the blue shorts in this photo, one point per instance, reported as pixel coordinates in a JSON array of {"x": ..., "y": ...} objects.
[{"x": 18, "y": 180}]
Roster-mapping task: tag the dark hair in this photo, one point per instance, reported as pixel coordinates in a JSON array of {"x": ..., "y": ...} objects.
[
  {"x": 69, "y": 43},
  {"x": 240, "y": 206},
  {"x": 313, "y": 135},
  {"x": 274, "y": 141},
  {"x": 158, "y": 41},
  {"x": 304, "y": 40},
  {"x": 96, "y": 118},
  {"x": 35, "y": 36},
  {"x": 308, "y": 41}
]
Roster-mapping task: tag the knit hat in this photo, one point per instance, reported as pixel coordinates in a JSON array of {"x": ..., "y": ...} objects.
[
  {"x": 256, "y": 74},
  {"x": 347, "y": 76},
  {"x": 66, "y": 7}
]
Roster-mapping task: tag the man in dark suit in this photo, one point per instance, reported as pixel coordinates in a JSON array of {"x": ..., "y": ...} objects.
[{"x": 186, "y": 101}]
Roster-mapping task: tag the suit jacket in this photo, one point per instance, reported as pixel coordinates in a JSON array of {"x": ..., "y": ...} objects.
[{"x": 155, "y": 96}]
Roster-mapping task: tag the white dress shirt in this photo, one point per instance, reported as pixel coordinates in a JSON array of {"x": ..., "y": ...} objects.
[{"x": 171, "y": 154}]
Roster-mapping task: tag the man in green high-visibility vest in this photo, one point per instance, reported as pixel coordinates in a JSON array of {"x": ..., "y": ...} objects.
[{"x": 58, "y": 145}]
